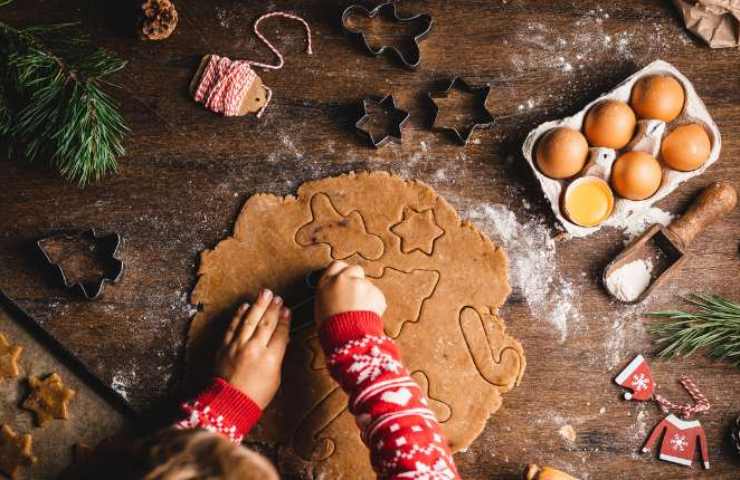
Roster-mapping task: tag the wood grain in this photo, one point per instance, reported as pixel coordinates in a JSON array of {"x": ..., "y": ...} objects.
[{"x": 188, "y": 172}]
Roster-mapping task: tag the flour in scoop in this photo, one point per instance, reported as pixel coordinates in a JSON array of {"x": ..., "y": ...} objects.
[{"x": 630, "y": 280}]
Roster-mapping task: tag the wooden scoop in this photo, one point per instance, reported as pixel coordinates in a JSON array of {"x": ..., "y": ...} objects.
[{"x": 666, "y": 246}]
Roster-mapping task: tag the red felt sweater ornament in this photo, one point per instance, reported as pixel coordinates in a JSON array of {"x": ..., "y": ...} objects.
[{"x": 680, "y": 441}]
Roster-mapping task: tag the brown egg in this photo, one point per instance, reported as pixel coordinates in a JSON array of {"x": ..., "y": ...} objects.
[
  {"x": 561, "y": 152},
  {"x": 658, "y": 96},
  {"x": 636, "y": 175},
  {"x": 610, "y": 123},
  {"x": 686, "y": 148}
]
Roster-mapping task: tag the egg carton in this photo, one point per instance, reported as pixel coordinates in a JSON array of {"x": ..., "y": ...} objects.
[{"x": 648, "y": 137}]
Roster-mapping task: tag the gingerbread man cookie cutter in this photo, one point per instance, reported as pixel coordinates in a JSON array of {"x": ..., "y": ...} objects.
[{"x": 388, "y": 10}]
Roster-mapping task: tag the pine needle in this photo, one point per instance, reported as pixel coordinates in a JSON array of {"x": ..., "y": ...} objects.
[
  {"x": 715, "y": 327},
  {"x": 52, "y": 105}
]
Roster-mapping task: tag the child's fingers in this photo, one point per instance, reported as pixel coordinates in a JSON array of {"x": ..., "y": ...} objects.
[
  {"x": 332, "y": 270},
  {"x": 354, "y": 271},
  {"x": 235, "y": 322},
  {"x": 254, "y": 315},
  {"x": 281, "y": 336},
  {"x": 267, "y": 325}
]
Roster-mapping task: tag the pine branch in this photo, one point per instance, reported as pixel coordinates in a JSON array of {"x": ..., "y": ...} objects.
[
  {"x": 715, "y": 327},
  {"x": 55, "y": 76}
]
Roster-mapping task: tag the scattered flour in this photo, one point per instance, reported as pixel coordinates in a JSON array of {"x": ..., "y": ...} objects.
[
  {"x": 594, "y": 37},
  {"x": 626, "y": 331},
  {"x": 640, "y": 430},
  {"x": 630, "y": 280},
  {"x": 638, "y": 222},
  {"x": 534, "y": 268},
  {"x": 122, "y": 381}
]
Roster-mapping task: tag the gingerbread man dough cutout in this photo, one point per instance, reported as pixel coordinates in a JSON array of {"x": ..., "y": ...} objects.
[{"x": 441, "y": 291}]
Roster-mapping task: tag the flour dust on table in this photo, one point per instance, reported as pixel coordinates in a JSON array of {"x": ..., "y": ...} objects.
[{"x": 535, "y": 274}]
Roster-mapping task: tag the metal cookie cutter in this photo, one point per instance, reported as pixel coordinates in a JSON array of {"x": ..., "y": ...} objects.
[
  {"x": 105, "y": 248},
  {"x": 395, "y": 116},
  {"x": 481, "y": 116},
  {"x": 311, "y": 281},
  {"x": 388, "y": 10}
]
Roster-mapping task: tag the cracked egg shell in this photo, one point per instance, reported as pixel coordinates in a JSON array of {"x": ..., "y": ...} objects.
[
  {"x": 658, "y": 97},
  {"x": 686, "y": 148},
  {"x": 610, "y": 124},
  {"x": 636, "y": 175},
  {"x": 561, "y": 153}
]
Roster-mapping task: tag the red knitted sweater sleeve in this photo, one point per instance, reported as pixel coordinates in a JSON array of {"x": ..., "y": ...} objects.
[
  {"x": 402, "y": 433},
  {"x": 221, "y": 408}
]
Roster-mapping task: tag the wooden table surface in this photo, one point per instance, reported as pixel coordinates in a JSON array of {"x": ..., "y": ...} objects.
[{"x": 188, "y": 171}]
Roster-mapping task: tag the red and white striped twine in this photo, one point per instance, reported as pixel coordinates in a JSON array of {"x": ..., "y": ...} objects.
[
  {"x": 224, "y": 82},
  {"x": 687, "y": 410}
]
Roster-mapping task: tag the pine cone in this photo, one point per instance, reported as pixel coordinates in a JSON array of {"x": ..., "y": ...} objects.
[
  {"x": 735, "y": 435},
  {"x": 159, "y": 19}
]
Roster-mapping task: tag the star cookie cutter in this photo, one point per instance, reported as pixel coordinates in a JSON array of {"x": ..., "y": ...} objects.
[
  {"x": 388, "y": 10},
  {"x": 105, "y": 249},
  {"x": 388, "y": 106},
  {"x": 483, "y": 116}
]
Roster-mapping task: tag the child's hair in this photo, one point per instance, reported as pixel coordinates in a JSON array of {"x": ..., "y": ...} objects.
[{"x": 176, "y": 455}]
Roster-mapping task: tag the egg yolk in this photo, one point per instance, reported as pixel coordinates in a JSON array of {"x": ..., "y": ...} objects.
[{"x": 588, "y": 201}]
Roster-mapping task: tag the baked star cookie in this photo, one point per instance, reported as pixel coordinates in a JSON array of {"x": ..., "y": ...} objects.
[
  {"x": 49, "y": 398},
  {"x": 15, "y": 451},
  {"x": 9, "y": 355}
]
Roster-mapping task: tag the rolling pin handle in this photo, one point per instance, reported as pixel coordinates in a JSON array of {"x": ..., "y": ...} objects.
[{"x": 716, "y": 200}]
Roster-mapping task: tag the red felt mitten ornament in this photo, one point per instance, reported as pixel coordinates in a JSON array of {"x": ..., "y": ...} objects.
[{"x": 638, "y": 378}]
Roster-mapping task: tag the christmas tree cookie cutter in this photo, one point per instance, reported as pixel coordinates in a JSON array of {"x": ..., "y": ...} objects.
[
  {"x": 89, "y": 271},
  {"x": 388, "y": 11},
  {"x": 396, "y": 119},
  {"x": 481, "y": 117}
]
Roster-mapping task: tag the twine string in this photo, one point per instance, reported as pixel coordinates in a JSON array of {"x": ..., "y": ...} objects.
[
  {"x": 281, "y": 62},
  {"x": 687, "y": 410},
  {"x": 224, "y": 82}
]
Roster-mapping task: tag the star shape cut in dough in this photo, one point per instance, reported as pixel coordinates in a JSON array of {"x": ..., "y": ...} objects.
[
  {"x": 418, "y": 231},
  {"x": 49, "y": 398},
  {"x": 15, "y": 451},
  {"x": 9, "y": 355}
]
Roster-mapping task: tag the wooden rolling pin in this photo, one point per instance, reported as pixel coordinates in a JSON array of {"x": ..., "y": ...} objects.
[{"x": 535, "y": 472}]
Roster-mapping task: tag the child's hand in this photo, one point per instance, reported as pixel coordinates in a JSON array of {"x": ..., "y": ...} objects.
[
  {"x": 252, "y": 354},
  {"x": 344, "y": 288}
]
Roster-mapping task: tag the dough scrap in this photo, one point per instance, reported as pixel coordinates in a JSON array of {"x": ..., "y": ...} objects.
[
  {"x": 441, "y": 292},
  {"x": 9, "y": 356},
  {"x": 49, "y": 399},
  {"x": 15, "y": 452}
]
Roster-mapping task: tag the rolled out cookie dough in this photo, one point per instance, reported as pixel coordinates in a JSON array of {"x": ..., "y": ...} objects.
[{"x": 444, "y": 281}]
